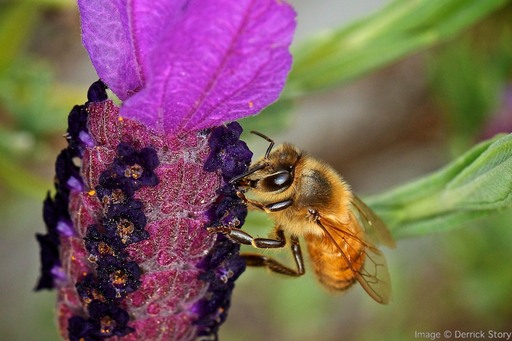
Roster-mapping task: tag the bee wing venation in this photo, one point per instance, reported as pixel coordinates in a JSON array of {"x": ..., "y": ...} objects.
[
  {"x": 373, "y": 275},
  {"x": 374, "y": 228}
]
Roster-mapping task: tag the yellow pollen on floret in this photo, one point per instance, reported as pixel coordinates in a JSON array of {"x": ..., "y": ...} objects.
[
  {"x": 119, "y": 277},
  {"x": 124, "y": 229},
  {"x": 251, "y": 104},
  {"x": 135, "y": 171},
  {"x": 105, "y": 249},
  {"x": 107, "y": 325},
  {"x": 120, "y": 119},
  {"x": 91, "y": 192}
]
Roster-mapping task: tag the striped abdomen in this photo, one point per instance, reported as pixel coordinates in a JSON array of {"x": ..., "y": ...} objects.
[{"x": 336, "y": 260}]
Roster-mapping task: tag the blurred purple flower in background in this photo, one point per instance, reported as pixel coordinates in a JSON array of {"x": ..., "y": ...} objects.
[
  {"x": 501, "y": 120},
  {"x": 126, "y": 244}
]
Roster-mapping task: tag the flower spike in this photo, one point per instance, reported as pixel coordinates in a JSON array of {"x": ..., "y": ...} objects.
[{"x": 126, "y": 243}]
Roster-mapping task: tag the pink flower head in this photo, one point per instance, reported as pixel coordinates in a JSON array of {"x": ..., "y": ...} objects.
[{"x": 126, "y": 244}]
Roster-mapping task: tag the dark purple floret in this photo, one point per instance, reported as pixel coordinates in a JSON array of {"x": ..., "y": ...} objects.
[
  {"x": 54, "y": 214},
  {"x": 117, "y": 277},
  {"x": 49, "y": 255},
  {"x": 105, "y": 321},
  {"x": 228, "y": 210},
  {"x": 77, "y": 121},
  {"x": 110, "y": 196},
  {"x": 97, "y": 92},
  {"x": 225, "y": 135},
  {"x": 88, "y": 289},
  {"x": 213, "y": 310},
  {"x": 112, "y": 319},
  {"x": 236, "y": 164},
  {"x": 110, "y": 181},
  {"x": 131, "y": 209},
  {"x": 223, "y": 250},
  {"x": 100, "y": 244},
  {"x": 146, "y": 157},
  {"x": 53, "y": 211},
  {"x": 233, "y": 268},
  {"x": 127, "y": 221},
  {"x": 60, "y": 205},
  {"x": 131, "y": 169},
  {"x": 229, "y": 154},
  {"x": 67, "y": 173},
  {"x": 77, "y": 130},
  {"x": 80, "y": 329}
]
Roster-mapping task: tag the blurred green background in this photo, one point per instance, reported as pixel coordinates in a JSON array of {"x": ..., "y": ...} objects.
[{"x": 385, "y": 92}]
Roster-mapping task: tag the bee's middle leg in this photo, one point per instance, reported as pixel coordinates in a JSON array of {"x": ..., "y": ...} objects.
[{"x": 253, "y": 259}]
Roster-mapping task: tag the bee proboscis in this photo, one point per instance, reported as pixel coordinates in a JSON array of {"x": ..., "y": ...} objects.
[{"x": 307, "y": 198}]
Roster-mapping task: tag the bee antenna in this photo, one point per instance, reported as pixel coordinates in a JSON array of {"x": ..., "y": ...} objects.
[{"x": 269, "y": 149}]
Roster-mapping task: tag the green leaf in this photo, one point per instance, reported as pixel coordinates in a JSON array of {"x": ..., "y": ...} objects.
[
  {"x": 476, "y": 184},
  {"x": 401, "y": 28}
]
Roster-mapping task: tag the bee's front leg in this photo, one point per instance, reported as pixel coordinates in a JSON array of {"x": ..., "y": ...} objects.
[
  {"x": 242, "y": 237},
  {"x": 249, "y": 202}
]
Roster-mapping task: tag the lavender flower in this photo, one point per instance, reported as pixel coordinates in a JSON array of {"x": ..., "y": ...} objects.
[{"x": 126, "y": 244}]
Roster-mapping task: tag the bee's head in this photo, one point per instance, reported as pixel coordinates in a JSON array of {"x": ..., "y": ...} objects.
[{"x": 274, "y": 172}]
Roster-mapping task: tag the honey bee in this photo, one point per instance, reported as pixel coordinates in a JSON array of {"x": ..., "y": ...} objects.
[{"x": 307, "y": 198}]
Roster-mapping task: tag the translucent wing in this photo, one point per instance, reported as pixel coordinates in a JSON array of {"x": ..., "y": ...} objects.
[
  {"x": 374, "y": 276},
  {"x": 366, "y": 263},
  {"x": 375, "y": 229}
]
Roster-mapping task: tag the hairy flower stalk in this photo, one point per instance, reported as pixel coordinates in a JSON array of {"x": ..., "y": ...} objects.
[{"x": 126, "y": 243}]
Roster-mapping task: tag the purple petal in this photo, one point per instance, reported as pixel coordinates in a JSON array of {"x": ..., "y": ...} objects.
[
  {"x": 65, "y": 228},
  {"x": 106, "y": 36},
  {"x": 75, "y": 184},
  {"x": 59, "y": 274},
  {"x": 86, "y": 139},
  {"x": 210, "y": 61}
]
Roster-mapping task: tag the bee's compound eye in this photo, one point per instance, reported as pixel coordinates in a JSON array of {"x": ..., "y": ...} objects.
[
  {"x": 277, "y": 181},
  {"x": 281, "y": 179}
]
